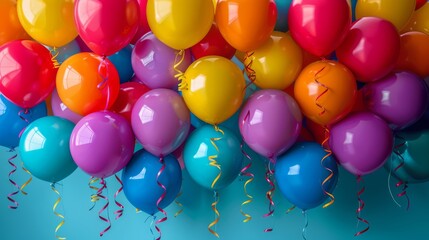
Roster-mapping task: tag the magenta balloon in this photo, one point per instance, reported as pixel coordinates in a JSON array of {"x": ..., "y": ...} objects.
[
  {"x": 160, "y": 121},
  {"x": 153, "y": 62},
  {"x": 61, "y": 110},
  {"x": 370, "y": 49},
  {"x": 102, "y": 143},
  {"x": 361, "y": 142},
  {"x": 400, "y": 98},
  {"x": 270, "y": 122}
]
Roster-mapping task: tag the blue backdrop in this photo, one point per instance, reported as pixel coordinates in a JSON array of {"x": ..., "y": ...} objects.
[{"x": 34, "y": 218}]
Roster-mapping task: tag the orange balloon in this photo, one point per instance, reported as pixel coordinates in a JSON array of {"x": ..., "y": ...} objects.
[
  {"x": 414, "y": 53},
  {"x": 326, "y": 91},
  {"x": 86, "y": 83},
  {"x": 246, "y": 25},
  {"x": 10, "y": 27}
]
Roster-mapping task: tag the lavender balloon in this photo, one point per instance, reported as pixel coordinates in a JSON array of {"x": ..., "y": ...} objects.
[
  {"x": 160, "y": 120},
  {"x": 59, "y": 109},
  {"x": 400, "y": 98},
  {"x": 153, "y": 62},
  {"x": 270, "y": 122},
  {"x": 361, "y": 142},
  {"x": 102, "y": 143}
]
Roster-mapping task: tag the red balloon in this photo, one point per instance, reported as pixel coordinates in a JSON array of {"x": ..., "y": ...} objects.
[
  {"x": 106, "y": 26},
  {"x": 143, "y": 24},
  {"x": 370, "y": 49},
  {"x": 213, "y": 44},
  {"x": 129, "y": 93},
  {"x": 319, "y": 26},
  {"x": 420, "y": 3},
  {"x": 27, "y": 73}
]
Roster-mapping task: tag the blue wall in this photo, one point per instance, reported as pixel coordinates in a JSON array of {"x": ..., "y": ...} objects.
[{"x": 34, "y": 218}]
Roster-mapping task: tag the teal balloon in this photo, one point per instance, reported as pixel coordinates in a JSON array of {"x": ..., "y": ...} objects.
[
  {"x": 122, "y": 61},
  {"x": 66, "y": 51},
  {"x": 199, "y": 148},
  {"x": 411, "y": 150},
  {"x": 282, "y": 15},
  {"x": 299, "y": 175},
  {"x": 44, "y": 148}
]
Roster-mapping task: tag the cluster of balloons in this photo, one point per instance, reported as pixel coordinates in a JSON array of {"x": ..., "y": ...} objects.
[{"x": 82, "y": 80}]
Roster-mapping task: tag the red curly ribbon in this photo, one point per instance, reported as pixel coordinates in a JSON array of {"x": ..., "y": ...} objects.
[
  {"x": 10, "y": 195},
  {"x": 100, "y": 195},
  {"x": 400, "y": 182},
  {"x": 120, "y": 211},
  {"x": 316, "y": 79},
  {"x": 331, "y": 173},
  {"x": 250, "y": 176},
  {"x": 251, "y": 74},
  {"x": 104, "y": 74},
  {"x": 217, "y": 214},
  {"x": 94, "y": 197},
  {"x": 56, "y": 213},
  {"x": 304, "y": 229},
  {"x": 180, "y": 56},
  {"x": 161, "y": 160},
  {"x": 179, "y": 204},
  {"x": 360, "y": 208}
]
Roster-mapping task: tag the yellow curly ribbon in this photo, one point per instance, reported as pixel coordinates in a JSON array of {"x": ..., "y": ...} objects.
[
  {"x": 180, "y": 56},
  {"x": 217, "y": 214},
  {"x": 331, "y": 173},
  {"x": 56, "y": 213},
  {"x": 94, "y": 196},
  {"x": 54, "y": 53},
  {"x": 212, "y": 158},
  {"x": 178, "y": 204},
  {"x": 27, "y": 182},
  {"x": 244, "y": 172}
]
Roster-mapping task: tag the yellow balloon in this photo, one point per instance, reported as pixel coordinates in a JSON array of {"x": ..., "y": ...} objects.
[
  {"x": 397, "y": 12},
  {"x": 420, "y": 20},
  {"x": 50, "y": 22},
  {"x": 213, "y": 88},
  {"x": 277, "y": 63},
  {"x": 180, "y": 24}
]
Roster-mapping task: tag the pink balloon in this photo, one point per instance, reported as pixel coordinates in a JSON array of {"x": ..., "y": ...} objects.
[
  {"x": 143, "y": 24},
  {"x": 160, "y": 121},
  {"x": 106, "y": 26},
  {"x": 102, "y": 143},
  {"x": 61, "y": 110},
  {"x": 370, "y": 49},
  {"x": 319, "y": 26},
  {"x": 270, "y": 122},
  {"x": 361, "y": 142}
]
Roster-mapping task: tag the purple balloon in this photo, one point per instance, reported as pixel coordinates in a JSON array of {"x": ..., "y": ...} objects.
[
  {"x": 59, "y": 109},
  {"x": 153, "y": 62},
  {"x": 102, "y": 143},
  {"x": 270, "y": 122},
  {"x": 361, "y": 142},
  {"x": 160, "y": 121},
  {"x": 400, "y": 98}
]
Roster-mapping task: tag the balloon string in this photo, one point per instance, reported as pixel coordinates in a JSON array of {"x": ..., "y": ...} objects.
[
  {"x": 10, "y": 195},
  {"x": 269, "y": 178},
  {"x": 100, "y": 195},
  {"x": 290, "y": 209},
  {"x": 20, "y": 115},
  {"x": 179, "y": 204},
  {"x": 331, "y": 173},
  {"x": 56, "y": 213},
  {"x": 251, "y": 177},
  {"x": 26, "y": 182},
  {"x": 120, "y": 211},
  {"x": 316, "y": 79},
  {"x": 180, "y": 56},
  {"x": 104, "y": 74},
  {"x": 360, "y": 208},
  {"x": 400, "y": 182},
  {"x": 94, "y": 197},
  {"x": 55, "y": 53},
  {"x": 216, "y": 212},
  {"x": 151, "y": 225},
  {"x": 304, "y": 229},
  {"x": 251, "y": 74},
  {"x": 161, "y": 160},
  {"x": 212, "y": 158}
]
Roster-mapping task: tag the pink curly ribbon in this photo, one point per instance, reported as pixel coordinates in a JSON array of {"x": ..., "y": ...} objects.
[
  {"x": 10, "y": 195},
  {"x": 360, "y": 208},
  {"x": 244, "y": 172},
  {"x": 269, "y": 178},
  {"x": 161, "y": 160},
  {"x": 100, "y": 195},
  {"x": 316, "y": 79},
  {"x": 104, "y": 74},
  {"x": 400, "y": 182},
  {"x": 120, "y": 211}
]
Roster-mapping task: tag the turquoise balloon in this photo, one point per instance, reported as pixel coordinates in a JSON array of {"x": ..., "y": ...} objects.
[
  {"x": 282, "y": 15},
  {"x": 122, "y": 61},
  {"x": 66, "y": 51},
  {"x": 198, "y": 149},
  {"x": 44, "y": 148}
]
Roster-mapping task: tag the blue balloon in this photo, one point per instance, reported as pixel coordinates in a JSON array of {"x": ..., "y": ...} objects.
[
  {"x": 139, "y": 179},
  {"x": 282, "y": 15},
  {"x": 199, "y": 147},
  {"x": 354, "y": 2},
  {"x": 11, "y": 124},
  {"x": 122, "y": 61},
  {"x": 66, "y": 51},
  {"x": 299, "y": 175},
  {"x": 44, "y": 148}
]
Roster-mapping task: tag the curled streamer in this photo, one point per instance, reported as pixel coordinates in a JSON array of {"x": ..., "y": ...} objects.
[
  {"x": 290, "y": 209},
  {"x": 100, "y": 195},
  {"x": 316, "y": 79},
  {"x": 120, "y": 211},
  {"x": 216, "y": 212},
  {"x": 212, "y": 158},
  {"x": 94, "y": 197},
  {"x": 331, "y": 173},
  {"x": 180, "y": 56},
  {"x": 179, "y": 204},
  {"x": 54, "y": 53},
  {"x": 10, "y": 195},
  {"x": 26, "y": 182},
  {"x": 269, "y": 178},
  {"x": 104, "y": 74},
  {"x": 304, "y": 229},
  {"x": 20, "y": 115},
  {"x": 56, "y": 213},
  {"x": 360, "y": 208},
  {"x": 400, "y": 182},
  {"x": 244, "y": 172},
  {"x": 251, "y": 74},
  {"x": 163, "y": 219}
]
